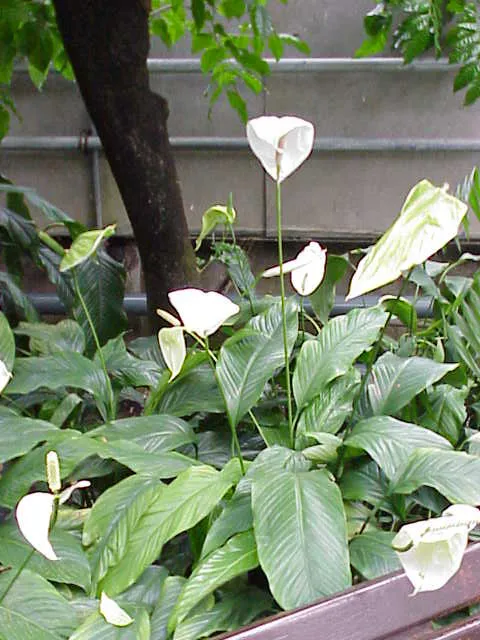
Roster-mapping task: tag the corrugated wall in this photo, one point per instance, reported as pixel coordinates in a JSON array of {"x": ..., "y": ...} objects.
[{"x": 341, "y": 194}]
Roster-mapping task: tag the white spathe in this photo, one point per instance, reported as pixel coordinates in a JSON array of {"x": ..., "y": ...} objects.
[
  {"x": 34, "y": 513},
  {"x": 281, "y": 144},
  {"x": 202, "y": 312},
  {"x": 172, "y": 345},
  {"x": 431, "y": 551},
  {"x": 113, "y": 613},
  {"x": 307, "y": 269},
  {"x": 5, "y": 376}
]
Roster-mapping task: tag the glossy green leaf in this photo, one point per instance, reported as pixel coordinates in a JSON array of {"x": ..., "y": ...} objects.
[
  {"x": 332, "y": 354},
  {"x": 47, "y": 339},
  {"x": 18, "y": 435},
  {"x": 301, "y": 535},
  {"x": 171, "y": 589},
  {"x": 33, "y": 610},
  {"x": 235, "y": 558},
  {"x": 84, "y": 246},
  {"x": 390, "y": 442},
  {"x": 246, "y": 364},
  {"x": 153, "y": 433},
  {"x": 60, "y": 370},
  {"x": 395, "y": 381},
  {"x": 72, "y": 566},
  {"x": 446, "y": 412},
  {"x": 232, "y": 612},
  {"x": 96, "y": 628},
  {"x": 454, "y": 474},
  {"x": 149, "y": 463},
  {"x": 366, "y": 483},
  {"x": 126, "y": 369},
  {"x": 102, "y": 284},
  {"x": 192, "y": 391},
  {"x": 323, "y": 299},
  {"x": 236, "y": 517},
  {"x": 16, "y": 304},
  {"x": 328, "y": 411},
  {"x": 372, "y": 555},
  {"x": 170, "y": 510},
  {"x": 66, "y": 407},
  {"x": 429, "y": 219}
]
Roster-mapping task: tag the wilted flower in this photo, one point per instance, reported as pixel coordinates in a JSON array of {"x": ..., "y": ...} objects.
[
  {"x": 34, "y": 511},
  {"x": 202, "y": 312},
  {"x": 307, "y": 269},
  {"x": 281, "y": 144},
  {"x": 431, "y": 551},
  {"x": 113, "y": 613},
  {"x": 5, "y": 376}
]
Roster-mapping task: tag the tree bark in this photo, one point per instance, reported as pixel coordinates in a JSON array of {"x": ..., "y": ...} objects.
[{"x": 107, "y": 42}]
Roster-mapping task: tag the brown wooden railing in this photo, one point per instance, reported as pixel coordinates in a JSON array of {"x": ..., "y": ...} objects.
[{"x": 382, "y": 609}]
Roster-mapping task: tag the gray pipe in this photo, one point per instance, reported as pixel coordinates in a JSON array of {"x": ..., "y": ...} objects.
[
  {"x": 210, "y": 143},
  {"x": 136, "y": 304}
]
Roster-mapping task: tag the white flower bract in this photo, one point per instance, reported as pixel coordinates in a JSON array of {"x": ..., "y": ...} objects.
[
  {"x": 281, "y": 144},
  {"x": 202, "y": 312},
  {"x": 5, "y": 376},
  {"x": 431, "y": 551},
  {"x": 307, "y": 269},
  {"x": 113, "y": 613},
  {"x": 172, "y": 345}
]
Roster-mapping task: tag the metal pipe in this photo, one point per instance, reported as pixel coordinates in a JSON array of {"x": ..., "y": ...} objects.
[
  {"x": 303, "y": 65},
  {"x": 136, "y": 304},
  {"x": 211, "y": 143},
  {"x": 97, "y": 189}
]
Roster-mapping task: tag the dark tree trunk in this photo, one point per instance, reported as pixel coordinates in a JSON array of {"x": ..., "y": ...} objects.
[{"x": 108, "y": 42}]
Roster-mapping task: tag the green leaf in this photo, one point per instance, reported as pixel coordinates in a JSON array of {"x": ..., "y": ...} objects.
[
  {"x": 171, "y": 510},
  {"x": 7, "y": 343},
  {"x": 332, "y": 354},
  {"x": 148, "y": 463},
  {"x": 246, "y": 364},
  {"x": 323, "y": 298},
  {"x": 66, "y": 407},
  {"x": 96, "y": 628},
  {"x": 236, "y": 517},
  {"x": 402, "y": 309},
  {"x": 238, "y": 103},
  {"x": 454, "y": 474},
  {"x": 72, "y": 566},
  {"x": 390, "y": 442},
  {"x": 218, "y": 214},
  {"x": 233, "y": 612},
  {"x": 372, "y": 555},
  {"x": 153, "y": 433},
  {"x": 62, "y": 369},
  {"x": 446, "y": 412},
  {"x": 395, "y": 381},
  {"x": 301, "y": 535},
  {"x": 18, "y": 435},
  {"x": 328, "y": 411},
  {"x": 127, "y": 369},
  {"x": 365, "y": 483},
  {"x": 235, "y": 558},
  {"x": 47, "y": 339},
  {"x": 238, "y": 267},
  {"x": 102, "y": 284},
  {"x": 16, "y": 304},
  {"x": 429, "y": 219},
  {"x": 33, "y": 609},
  {"x": 147, "y": 589},
  {"x": 84, "y": 246},
  {"x": 171, "y": 589}
]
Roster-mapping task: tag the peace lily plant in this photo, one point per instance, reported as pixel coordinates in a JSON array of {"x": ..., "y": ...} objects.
[{"x": 295, "y": 451}]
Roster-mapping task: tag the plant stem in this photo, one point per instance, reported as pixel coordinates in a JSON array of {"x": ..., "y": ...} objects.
[
  {"x": 51, "y": 243},
  {"x": 97, "y": 343},
  {"x": 235, "y": 440},
  {"x": 16, "y": 575},
  {"x": 284, "y": 315}
]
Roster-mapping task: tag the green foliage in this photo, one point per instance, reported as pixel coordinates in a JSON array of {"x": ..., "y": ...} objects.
[
  {"x": 420, "y": 25},
  {"x": 175, "y": 527}
]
